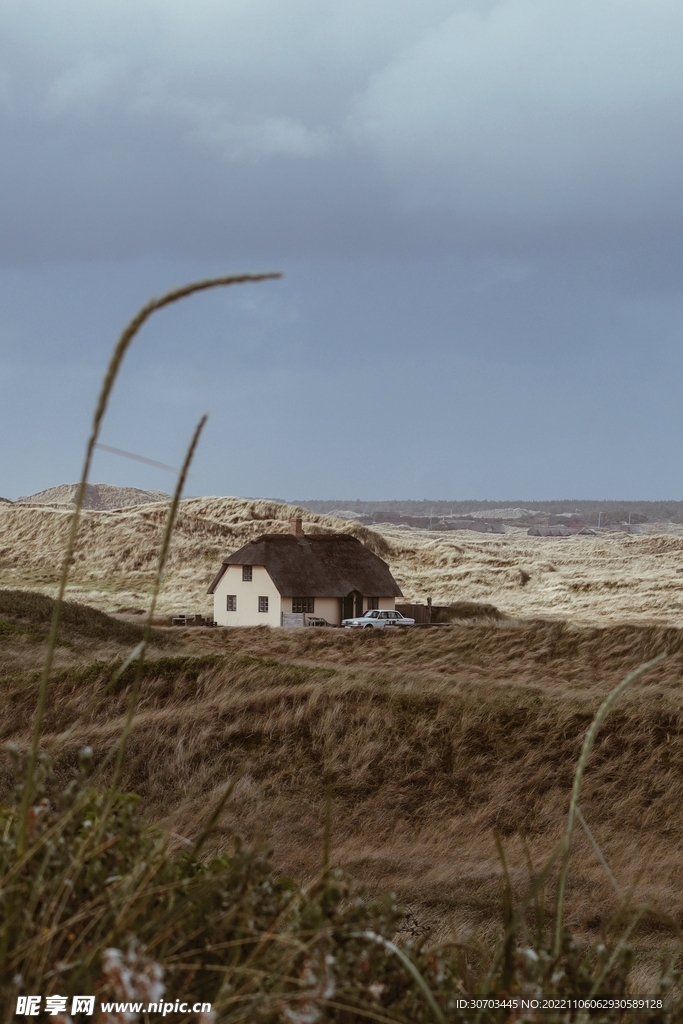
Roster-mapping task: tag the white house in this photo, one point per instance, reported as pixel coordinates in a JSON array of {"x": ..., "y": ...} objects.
[{"x": 285, "y": 579}]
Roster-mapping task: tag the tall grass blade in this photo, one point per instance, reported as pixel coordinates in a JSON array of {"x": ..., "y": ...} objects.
[
  {"x": 412, "y": 970},
  {"x": 617, "y": 950},
  {"x": 111, "y": 374},
  {"x": 598, "y": 852},
  {"x": 158, "y": 579},
  {"x": 588, "y": 742},
  {"x": 120, "y": 748},
  {"x": 518, "y": 916}
]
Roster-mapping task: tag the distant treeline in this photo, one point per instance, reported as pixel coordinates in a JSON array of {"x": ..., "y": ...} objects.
[{"x": 611, "y": 511}]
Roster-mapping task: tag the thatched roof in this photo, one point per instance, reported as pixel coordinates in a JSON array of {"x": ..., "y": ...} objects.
[{"x": 316, "y": 566}]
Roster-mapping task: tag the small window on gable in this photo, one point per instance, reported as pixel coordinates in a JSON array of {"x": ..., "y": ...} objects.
[
  {"x": 303, "y": 604},
  {"x": 373, "y": 602},
  {"x": 263, "y": 604},
  {"x": 231, "y": 603},
  {"x": 247, "y": 573}
]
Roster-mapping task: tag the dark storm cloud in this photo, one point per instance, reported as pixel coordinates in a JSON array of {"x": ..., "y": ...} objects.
[
  {"x": 478, "y": 206},
  {"x": 537, "y": 113},
  {"x": 173, "y": 127},
  {"x": 151, "y": 127}
]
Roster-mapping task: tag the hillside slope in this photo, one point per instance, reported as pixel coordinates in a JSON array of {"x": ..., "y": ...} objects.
[
  {"x": 97, "y": 496},
  {"x": 588, "y": 579},
  {"x": 117, "y": 550},
  {"x": 430, "y": 740}
]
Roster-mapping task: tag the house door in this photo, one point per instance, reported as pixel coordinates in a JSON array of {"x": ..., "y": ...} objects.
[{"x": 352, "y": 605}]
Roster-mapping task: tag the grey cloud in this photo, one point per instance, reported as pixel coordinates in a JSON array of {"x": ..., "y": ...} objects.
[
  {"x": 132, "y": 128},
  {"x": 536, "y": 112},
  {"x": 477, "y": 204}
]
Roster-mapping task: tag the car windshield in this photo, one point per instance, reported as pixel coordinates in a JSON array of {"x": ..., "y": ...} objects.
[{"x": 370, "y": 615}]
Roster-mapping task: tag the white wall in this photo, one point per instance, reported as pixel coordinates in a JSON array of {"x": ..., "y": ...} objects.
[
  {"x": 247, "y": 594},
  {"x": 261, "y": 585},
  {"x": 329, "y": 608}
]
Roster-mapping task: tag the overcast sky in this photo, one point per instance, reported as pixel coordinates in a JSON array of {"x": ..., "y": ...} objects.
[{"x": 477, "y": 206}]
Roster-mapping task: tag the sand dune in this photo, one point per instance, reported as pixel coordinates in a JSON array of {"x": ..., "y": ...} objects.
[
  {"x": 604, "y": 579},
  {"x": 97, "y": 496}
]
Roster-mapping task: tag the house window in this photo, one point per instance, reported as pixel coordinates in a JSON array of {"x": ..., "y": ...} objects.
[
  {"x": 231, "y": 603},
  {"x": 263, "y": 604},
  {"x": 373, "y": 602},
  {"x": 303, "y": 604},
  {"x": 247, "y": 573}
]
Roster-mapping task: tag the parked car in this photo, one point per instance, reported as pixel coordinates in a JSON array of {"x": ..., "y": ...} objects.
[{"x": 378, "y": 619}]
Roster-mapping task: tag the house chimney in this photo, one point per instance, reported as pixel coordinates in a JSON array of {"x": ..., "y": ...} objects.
[{"x": 296, "y": 528}]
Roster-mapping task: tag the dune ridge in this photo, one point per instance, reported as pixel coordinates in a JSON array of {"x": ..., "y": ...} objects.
[{"x": 602, "y": 579}]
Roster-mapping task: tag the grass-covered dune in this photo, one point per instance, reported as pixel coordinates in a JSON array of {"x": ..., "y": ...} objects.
[
  {"x": 606, "y": 579},
  {"x": 428, "y": 742}
]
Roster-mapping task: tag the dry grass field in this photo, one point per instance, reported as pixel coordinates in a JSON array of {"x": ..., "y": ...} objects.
[
  {"x": 605, "y": 579},
  {"x": 431, "y": 740}
]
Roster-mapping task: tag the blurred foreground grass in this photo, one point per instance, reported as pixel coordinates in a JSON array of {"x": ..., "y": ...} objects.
[{"x": 426, "y": 745}]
